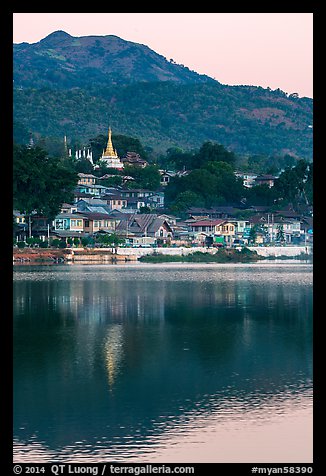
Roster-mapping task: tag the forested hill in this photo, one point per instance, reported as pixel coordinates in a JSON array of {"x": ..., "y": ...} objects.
[
  {"x": 63, "y": 61},
  {"x": 143, "y": 95}
]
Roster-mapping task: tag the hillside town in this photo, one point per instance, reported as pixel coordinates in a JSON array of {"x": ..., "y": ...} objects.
[{"x": 134, "y": 217}]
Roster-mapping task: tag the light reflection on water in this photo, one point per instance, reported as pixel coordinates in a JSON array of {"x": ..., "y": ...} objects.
[
  {"x": 269, "y": 272},
  {"x": 163, "y": 363}
]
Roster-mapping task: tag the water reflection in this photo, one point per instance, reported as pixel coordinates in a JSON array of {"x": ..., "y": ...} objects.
[
  {"x": 113, "y": 352},
  {"x": 121, "y": 364}
]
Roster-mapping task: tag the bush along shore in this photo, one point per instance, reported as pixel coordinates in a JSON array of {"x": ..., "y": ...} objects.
[{"x": 221, "y": 256}]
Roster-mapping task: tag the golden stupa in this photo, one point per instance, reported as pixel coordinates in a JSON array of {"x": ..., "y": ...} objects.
[{"x": 110, "y": 155}]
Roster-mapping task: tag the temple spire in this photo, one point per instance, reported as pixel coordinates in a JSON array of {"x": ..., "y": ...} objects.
[
  {"x": 110, "y": 156},
  {"x": 110, "y": 152}
]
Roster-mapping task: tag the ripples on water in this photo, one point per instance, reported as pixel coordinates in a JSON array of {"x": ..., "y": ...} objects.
[
  {"x": 163, "y": 363},
  {"x": 256, "y": 272},
  {"x": 230, "y": 433}
]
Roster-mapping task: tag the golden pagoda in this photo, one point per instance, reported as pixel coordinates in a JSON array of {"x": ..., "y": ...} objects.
[
  {"x": 110, "y": 156},
  {"x": 110, "y": 152}
]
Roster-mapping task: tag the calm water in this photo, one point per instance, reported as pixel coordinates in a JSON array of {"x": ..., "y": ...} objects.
[{"x": 163, "y": 363}]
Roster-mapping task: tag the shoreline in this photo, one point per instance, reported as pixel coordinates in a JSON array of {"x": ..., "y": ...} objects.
[{"x": 97, "y": 256}]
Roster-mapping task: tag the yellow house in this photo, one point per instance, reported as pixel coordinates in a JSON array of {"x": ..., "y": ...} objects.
[{"x": 226, "y": 229}]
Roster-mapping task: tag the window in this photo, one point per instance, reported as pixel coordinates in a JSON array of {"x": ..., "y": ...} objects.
[
  {"x": 87, "y": 223},
  {"x": 96, "y": 223},
  {"x": 77, "y": 223},
  {"x": 61, "y": 224}
]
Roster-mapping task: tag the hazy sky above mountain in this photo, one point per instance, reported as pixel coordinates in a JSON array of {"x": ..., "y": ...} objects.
[{"x": 263, "y": 49}]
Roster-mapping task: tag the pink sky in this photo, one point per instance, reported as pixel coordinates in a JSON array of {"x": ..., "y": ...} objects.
[{"x": 261, "y": 49}]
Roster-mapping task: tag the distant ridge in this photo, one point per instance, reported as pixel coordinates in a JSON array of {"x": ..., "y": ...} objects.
[
  {"x": 62, "y": 61},
  {"x": 65, "y": 85}
]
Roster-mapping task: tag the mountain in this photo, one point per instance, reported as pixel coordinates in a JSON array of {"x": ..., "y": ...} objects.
[
  {"x": 76, "y": 86},
  {"x": 63, "y": 61}
]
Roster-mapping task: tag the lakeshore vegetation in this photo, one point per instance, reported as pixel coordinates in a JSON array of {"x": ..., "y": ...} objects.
[{"x": 221, "y": 256}]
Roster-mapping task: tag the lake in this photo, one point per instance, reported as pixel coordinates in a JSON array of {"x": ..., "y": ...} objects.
[{"x": 163, "y": 363}]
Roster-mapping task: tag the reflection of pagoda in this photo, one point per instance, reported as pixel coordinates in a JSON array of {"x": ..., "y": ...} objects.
[{"x": 110, "y": 156}]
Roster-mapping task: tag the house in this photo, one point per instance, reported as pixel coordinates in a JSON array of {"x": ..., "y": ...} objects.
[
  {"x": 94, "y": 190},
  {"x": 265, "y": 180},
  {"x": 136, "y": 193},
  {"x": 132, "y": 158},
  {"x": 134, "y": 205},
  {"x": 68, "y": 208},
  {"x": 81, "y": 195},
  {"x": 69, "y": 222},
  {"x": 273, "y": 225},
  {"x": 307, "y": 228},
  {"x": 125, "y": 178},
  {"x": 216, "y": 212},
  {"x": 86, "y": 179},
  {"x": 156, "y": 200},
  {"x": 165, "y": 177},
  {"x": 171, "y": 219},
  {"x": 219, "y": 228},
  {"x": 93, "y": 205},
  {"x": 145, "y": 225},
  {"x": 115, "y": 201},
  {"x": 227, "y": 230},
  {"x": 248, "y": 179},
  {"x": 205, "y": 225},
  {"x": 19, "y": 217},
  {"x": 95, "y": 222},
  {"x": 40, "y": 226},
  {"x": 20, "y": 228}
]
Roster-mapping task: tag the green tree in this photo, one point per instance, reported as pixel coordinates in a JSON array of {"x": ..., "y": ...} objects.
[
  {"x": 55, "y": 242},
  {"x": 21, "y": 133},
  {"x": 254, "y": 230},
  {"x": 147, "y": 177},
  {"x": 260, "y": 195},
  {"x": 280, "y": 236},
  {"x": 177, "y": 159},
  {"x": 112, "y": 181},
  {"x": 124, "y": 144},
  {"x": 40, "y": 184},
  {"x": 295, "y": 184},
  {"x": 98, "y": 144},
  {"x": 83, "y": 166},
  {"x": 211, "y": 152},
  {"x": 211, "y": 185},
  {"x": 53, "y": 145},
  {"x": 186, "y": 200}
]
